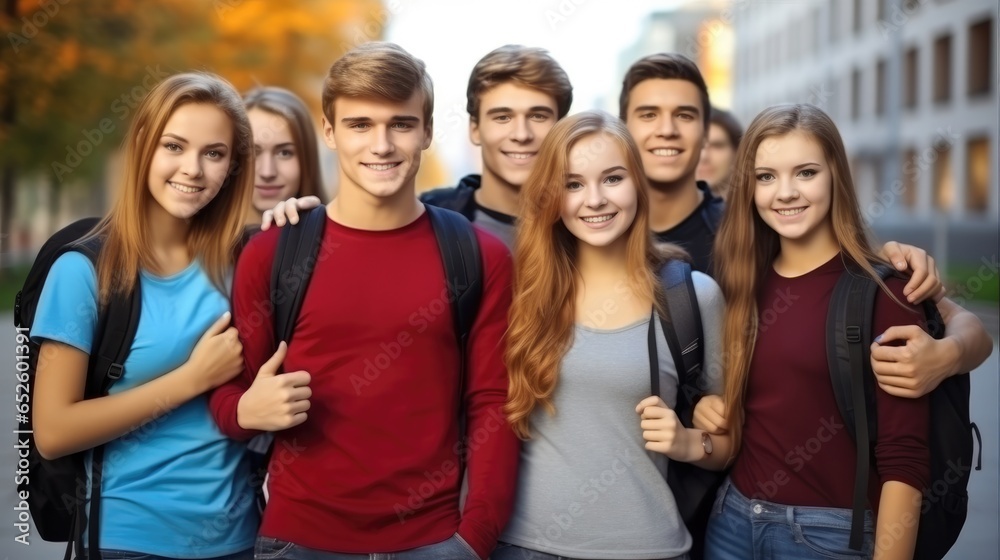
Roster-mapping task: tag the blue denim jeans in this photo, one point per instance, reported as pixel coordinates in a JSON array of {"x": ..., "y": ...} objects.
[
  {"x": 743, "y": 529},
  {"x": 454, "y": 548},
  {"x": 128, "y": 555},
  {"x": 507, "y": 551}
]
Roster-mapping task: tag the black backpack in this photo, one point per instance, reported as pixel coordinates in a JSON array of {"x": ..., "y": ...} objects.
[
  {"x": 296, "y": 257},
  {"x": 693, "y": 487},
  {"x": 57, "y": 489},
  {"x": 848, "y": 340}
]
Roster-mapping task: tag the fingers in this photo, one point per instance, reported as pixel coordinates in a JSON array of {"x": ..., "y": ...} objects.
[
  {"x": 929, "y": 285},
  {"x": 219, "y": 326},
  {"x": 650, "y": 401},
  {"x": 900, "y": 387},
  {"x": 265, "y": 220},
  {"x": 306, "y": 202},
  {"x": 270, "y": 367},
  {"x": 279, "y": 214},
  {"x": 297, "y": 379},
  {"x": 893, "y": 253},
  {"x": 903, "y": 333},
  {"x": 292, "y": 211}
]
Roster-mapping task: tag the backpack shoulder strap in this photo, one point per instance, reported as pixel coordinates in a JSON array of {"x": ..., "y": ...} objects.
[
  {"x": 683, "y": 330},
  {"x": 294, "y": 261},
  {"x": 848, "y": 335},
  {"x": 462, "y": 265}
]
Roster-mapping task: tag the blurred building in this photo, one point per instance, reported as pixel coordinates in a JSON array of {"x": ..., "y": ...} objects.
[{"x": 912, "y": 86}]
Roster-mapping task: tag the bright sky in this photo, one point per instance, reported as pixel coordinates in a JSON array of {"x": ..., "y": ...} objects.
[{"x": 450, "y": 36}]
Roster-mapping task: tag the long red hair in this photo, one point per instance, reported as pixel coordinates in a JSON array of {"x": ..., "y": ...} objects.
[
  {"x": 746, "y": 247},
  {"x": 542, "y": 315}
]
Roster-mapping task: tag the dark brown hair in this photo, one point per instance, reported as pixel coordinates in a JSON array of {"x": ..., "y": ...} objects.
[
  {"x": 664, "y": 66},
  {"x": 525, "y": 66}
]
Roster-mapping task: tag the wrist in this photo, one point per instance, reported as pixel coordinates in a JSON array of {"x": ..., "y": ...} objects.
[
  {"x": 953, "y": 353},
  {"x": 696, "y": 450}
]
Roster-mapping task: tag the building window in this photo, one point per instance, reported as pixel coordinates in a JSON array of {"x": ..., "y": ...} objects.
[
  {"x": 944, "y": 184},
  {"x": 855, "y": 94},
  {"x": 909, "y": 178},
  {"x": 942, "y": 69},
  {"x": 911, "y": 65},
  {"x": 834, "y": 4},
  {"x": 880, "y": 85},
  {"x": 977, "y": 152},
  {"x": 980, "y": 57},
  {"x": 857, "y": 16},
  {"x": 880, "y": 9}
]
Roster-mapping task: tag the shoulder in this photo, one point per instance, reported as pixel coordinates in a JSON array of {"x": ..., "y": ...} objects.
[
  {"x": 258, "y": 253},
  {"x": 707, "y": 291},
  {"x": 889, "y": 312},
  {"x": 73, "y": 264},
  {"x": 494, "y": 252}
]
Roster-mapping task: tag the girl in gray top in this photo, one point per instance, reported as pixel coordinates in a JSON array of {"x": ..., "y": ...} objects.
[{"x": 584, "y": 289}]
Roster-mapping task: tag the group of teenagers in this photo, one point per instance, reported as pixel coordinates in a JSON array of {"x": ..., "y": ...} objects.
[{"x": 574, "y": 216}]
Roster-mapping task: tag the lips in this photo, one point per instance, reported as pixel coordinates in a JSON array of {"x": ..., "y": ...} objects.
[
  {"x": 666, "y": 152},
  {"x": 269, "y": 190},
  {"x": 520, "y": 157},
  {"x": 381, "y": 166},
  {"x": 186, "y": 189},
  {"x": 790, "y": 211}
]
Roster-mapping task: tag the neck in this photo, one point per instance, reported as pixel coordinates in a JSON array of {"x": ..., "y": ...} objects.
[
  {"x": 800, "y": 256},
  {"x": 253, "y": 216},
  {"x": 496, "y": 194},
  {"x": 358, "y": 209},
  {"x": 671, "y": 203},
  {"x": 602, "y": 264},
  {"x": 168, "y": 239}
]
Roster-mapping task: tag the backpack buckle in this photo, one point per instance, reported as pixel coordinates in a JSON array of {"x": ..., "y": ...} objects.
[
  {"x": 116, "y": 371},
  {"x": 853, "y": 334}
]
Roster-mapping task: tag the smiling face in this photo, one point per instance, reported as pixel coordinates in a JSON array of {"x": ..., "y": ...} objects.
[
  {"x": 278, "y": 172},
  {"x": 378, "y": 143},
  {"x": 191, "y": 160},
  {"x": 600, "y": 200},
  {"x": 666, "y": 119},
  {"x": 512, "y": 122},
  {"x": 793, "y": 191}
]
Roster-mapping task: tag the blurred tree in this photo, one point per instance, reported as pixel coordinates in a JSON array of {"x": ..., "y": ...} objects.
[{"x": 73, "y": 72}]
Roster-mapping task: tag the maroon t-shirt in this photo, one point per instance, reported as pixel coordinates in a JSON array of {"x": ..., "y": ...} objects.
[
  {"x": 374, "y": 467},
  {"x": 796, "y": 449}
]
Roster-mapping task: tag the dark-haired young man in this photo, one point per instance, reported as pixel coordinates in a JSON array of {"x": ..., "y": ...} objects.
[
  {"x": 367, "y": 459},
  {"x": 515, "y": 95}
]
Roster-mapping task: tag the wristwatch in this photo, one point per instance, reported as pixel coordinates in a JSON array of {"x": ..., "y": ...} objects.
[{"x": 706, "y": 443}]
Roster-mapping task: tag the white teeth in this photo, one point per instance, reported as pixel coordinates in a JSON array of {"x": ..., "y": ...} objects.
[
  {"x": 185, "y": 189},
  {"x": 666, "y": 152},
  {"x": 791, "y": 212},
  {"x": 598, "y": 219},
  {"x": 519, "y": 156},
  {"x": 381, "y": 166}
]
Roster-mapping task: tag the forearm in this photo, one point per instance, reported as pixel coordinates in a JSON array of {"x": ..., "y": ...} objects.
[
  {"x": 224, "y": 404},
  {"x": 898, "y": 521},
  {"x": 966, "y": 337},
  {"x": 694, "y": 453},
  {"x": 88, "y": 423}
]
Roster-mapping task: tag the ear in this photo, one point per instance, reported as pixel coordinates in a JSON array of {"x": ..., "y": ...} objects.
[
  {"x": 428, "y": 136},
  {"x": 474, "y": 132},
  {"x": 328, "y": 134}
]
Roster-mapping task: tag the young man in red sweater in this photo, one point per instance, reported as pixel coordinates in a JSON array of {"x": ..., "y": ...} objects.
[{"x": 366, "y": 456}]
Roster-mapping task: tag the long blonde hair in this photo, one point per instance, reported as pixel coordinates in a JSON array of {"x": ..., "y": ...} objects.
[
  {"x": 216, "y": 229},
  {"x": 543, "y": 313},
  {"x": 746, "y": 247}
]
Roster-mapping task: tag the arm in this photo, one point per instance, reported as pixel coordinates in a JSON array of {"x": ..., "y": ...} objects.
[
  {"x": 64, "y": 422},
  {"x": 259, "y": 399},
  {"x": 898, "y": 518},
  {"x": 492, "y": 464},
  {"x": 925, "y": 281},
  {"x": 921, "y": 363},
  {"x": 287, "y": 211},
  {"x": 665, "y": 434}
]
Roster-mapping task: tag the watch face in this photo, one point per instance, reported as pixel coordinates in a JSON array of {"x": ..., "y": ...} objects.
[{"x": 706, "y": 442}]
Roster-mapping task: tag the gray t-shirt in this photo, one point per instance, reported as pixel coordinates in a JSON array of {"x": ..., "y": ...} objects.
[
  {"x": 504, "y": 231},
  {"x": 587, "y": 487}
]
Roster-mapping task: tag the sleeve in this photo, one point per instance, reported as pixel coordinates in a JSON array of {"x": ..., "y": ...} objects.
[
  {"x": 493, "y": 449},
  {"x": 67, "y": 307},
  {"x": 902, "y": 451},
  {"x": 252, "y": 316},
  {"x": 712, "y": 306}
]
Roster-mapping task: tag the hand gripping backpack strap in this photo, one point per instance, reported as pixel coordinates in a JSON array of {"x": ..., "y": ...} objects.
[
  {"x": 849, "y": 326},
  {"x": 294, "y": 261},
  {"x": 463, "y": 271}
]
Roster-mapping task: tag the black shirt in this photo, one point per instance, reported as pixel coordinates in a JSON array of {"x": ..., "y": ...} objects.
[{"x": 696, "y": 233}]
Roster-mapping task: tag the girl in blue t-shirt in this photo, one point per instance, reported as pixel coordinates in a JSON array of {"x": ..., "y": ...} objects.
[{"x": 173, "y": 486}]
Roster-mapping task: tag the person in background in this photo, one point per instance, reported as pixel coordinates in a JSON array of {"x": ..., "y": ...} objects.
[{"x": 716, "y": 163}]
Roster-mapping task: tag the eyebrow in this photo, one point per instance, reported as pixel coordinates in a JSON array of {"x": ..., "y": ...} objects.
[
  {"x": 654, "y": 108},
  {"x": 605, "y": 172},
  {"x": 395, "y": 118},
  {"x": 799, "y": 166},
  {"x": 182, "y": 139},
  {"x": 535, "y": 109}
]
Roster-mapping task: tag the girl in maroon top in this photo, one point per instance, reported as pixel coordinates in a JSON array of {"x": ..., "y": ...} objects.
[{"x": 792, "y": 225}]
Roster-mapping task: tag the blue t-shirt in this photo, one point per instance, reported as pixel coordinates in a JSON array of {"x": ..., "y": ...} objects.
[{"x": 174, "y": 486}]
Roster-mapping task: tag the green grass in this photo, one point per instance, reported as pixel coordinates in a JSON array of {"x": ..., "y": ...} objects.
[
  {"x": 11, "y": 280},
  {"x": 973, "y": 283}
]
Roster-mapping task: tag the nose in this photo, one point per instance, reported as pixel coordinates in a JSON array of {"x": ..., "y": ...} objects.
[
  {"x": 192, "y": 164},
  {"x": 522, "y": 131},
  {"x": 666, "y": 127},
  {"x": 381, "y": 142},
  {"x": 594, "y": 197},
  {"x": 787, "y": 190},
  {"x": 266, "y": 169}
]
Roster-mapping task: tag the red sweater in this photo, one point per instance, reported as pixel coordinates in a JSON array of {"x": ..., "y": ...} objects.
[
  {"x": 374, "y": 467},
  {"x": 796, "y": 449}
]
